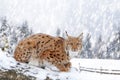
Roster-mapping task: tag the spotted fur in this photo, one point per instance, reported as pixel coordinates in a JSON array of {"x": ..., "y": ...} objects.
[{"x": 42, "y": 48}]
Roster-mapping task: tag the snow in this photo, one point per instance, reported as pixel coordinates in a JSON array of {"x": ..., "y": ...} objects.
[
  {"x": 96, "y": 17},
  {"x": 75, "y": 16},
  {"x": 94, "y": 76},
  {"x": 103, "y": 63},
  {"x": 8, "y": 62}
]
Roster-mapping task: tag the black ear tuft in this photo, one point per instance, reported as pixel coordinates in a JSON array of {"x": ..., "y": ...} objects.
[
  {"x": 80, "y": 36},
  {"x": 66, "y": 36}
]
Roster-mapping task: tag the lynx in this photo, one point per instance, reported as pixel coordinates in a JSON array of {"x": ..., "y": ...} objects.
[{"x": 45, "y": 50}]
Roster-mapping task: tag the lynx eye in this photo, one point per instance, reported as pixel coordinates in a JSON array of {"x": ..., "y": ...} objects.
[
  {"x": 78, "y": 43},
  {"x": 71, "y": 43}
]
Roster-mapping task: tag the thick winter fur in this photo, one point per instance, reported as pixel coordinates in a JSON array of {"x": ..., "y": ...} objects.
[{"x": 42, "y": 48}]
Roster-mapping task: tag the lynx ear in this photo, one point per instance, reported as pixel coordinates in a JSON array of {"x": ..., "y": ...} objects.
[
  {"x": 80, "y": 36},
  {"x": 66, "y": 34}
]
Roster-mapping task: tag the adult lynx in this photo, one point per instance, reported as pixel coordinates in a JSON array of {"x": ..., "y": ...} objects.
[{"x": 45, "y": 50}]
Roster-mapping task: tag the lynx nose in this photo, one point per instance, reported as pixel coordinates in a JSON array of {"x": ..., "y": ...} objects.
[{"x": 74, "y": 49}]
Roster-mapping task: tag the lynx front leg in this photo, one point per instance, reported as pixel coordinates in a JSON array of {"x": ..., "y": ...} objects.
[{"x": 64, "y": 67}]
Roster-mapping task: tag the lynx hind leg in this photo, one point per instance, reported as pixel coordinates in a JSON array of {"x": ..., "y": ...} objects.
[
  {"x": 18, "y": 56},
  {"x": 23, "y": 50},
  {"x": 52, "y": 58}
]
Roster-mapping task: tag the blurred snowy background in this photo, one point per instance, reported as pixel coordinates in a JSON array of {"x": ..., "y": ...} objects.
[{"x": 99, "y": 20}]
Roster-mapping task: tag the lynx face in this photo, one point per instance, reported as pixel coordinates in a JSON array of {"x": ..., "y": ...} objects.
[{"x": 74, "y": 45}]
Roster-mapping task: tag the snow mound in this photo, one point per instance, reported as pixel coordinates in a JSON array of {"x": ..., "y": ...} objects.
[
  {"x": 8, "y": 62},
  {"x": 82, "y": 69}
]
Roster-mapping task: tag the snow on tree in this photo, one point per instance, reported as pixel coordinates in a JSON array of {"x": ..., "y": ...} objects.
[
  {"x": 4, "y": 33},
  {"x": 100, "y": 48},
  {"x": 11, "y": 35},
  {"x": 86, "y": 50},
  {"x": 114, "y": 46}
]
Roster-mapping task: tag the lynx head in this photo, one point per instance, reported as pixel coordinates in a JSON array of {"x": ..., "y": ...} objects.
[{"x": 73, "y": 44}]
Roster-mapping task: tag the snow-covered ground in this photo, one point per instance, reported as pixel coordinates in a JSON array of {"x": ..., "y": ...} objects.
[
  {"x": 8, "y": 62},
  {"x": 94, "y": 64}
]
